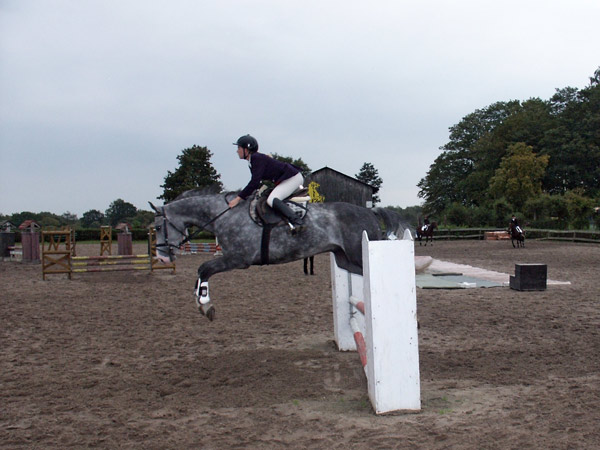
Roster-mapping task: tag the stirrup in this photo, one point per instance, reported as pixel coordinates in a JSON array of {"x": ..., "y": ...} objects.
[{"x": 296, "y": 229}]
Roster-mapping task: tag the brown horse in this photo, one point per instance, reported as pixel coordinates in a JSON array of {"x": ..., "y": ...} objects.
[
  {"x": 516, "y": 234},
  {"x": 426, "y": 231}
]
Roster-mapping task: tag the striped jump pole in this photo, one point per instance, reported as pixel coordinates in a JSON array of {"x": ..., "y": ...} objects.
[
  {"x": 376, "y": 315},
  {"x": 201, "y": 247},
  {"x": 110, "y": 263}
]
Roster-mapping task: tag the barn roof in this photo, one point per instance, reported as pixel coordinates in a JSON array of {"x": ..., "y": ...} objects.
[{"x": 325, "y": 169}]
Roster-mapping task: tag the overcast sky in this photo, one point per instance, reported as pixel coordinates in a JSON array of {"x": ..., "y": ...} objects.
[{"x": 99, "y": 97}]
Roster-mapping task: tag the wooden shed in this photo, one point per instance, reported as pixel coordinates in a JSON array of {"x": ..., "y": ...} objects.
[{"x": 338, "y": 187}]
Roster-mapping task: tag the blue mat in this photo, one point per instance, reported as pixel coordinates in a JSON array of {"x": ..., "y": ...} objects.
[{"x": 452, "y": 281}]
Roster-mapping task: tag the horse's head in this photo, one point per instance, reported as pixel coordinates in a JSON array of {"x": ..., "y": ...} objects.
[{"x": 170, "y": 235}]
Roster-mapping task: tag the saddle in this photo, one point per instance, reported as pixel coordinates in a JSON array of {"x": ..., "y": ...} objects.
[{"x": 263, "y": 215}]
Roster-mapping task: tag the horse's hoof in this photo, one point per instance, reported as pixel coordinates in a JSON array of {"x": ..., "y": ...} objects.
[
  {"x": 210, "y": 314},
  {"x": 207, "y": 310}
]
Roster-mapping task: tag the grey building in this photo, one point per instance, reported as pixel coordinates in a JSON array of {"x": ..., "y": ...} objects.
[{"x": 338, "y": 187}]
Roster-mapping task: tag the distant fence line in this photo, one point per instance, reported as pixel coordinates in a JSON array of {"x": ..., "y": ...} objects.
[{"x": 530, "y": 233}]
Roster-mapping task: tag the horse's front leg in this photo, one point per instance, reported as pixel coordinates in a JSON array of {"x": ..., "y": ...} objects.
[{"x": 202, "y": 291}]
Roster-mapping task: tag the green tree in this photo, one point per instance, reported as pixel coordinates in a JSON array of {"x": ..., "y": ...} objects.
[
  {"x": 457, "y": 214},
  {"x": 438, "y": 188},
  {"x": 581, "y": 209},
  {"x": 296, "y": 162},
  {"x": 45, "y": 219},
  {"x": 120, "y": 211},
  {"x": 573, "y": 141},
  {"x": 142, "y": 219},
  {"x": 519, "y": 176},
  {"x": 502, "y": 212},
  {"x": 195, "y": 171},
  {"x": 461, "y": 173},
  {"x": 92, "y": 219},
  {"x": 69, "y": 218},
  {"x": 368, "y": 174},
  {"x": 547, "y": 211}
]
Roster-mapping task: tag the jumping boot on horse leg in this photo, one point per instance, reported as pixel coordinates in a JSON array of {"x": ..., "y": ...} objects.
[
  {"x": 295, "y": 222},
  {"x": 203, "y": 300}
]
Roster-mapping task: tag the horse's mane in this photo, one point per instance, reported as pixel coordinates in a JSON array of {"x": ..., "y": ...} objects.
[{"x": 212, "y": 189}]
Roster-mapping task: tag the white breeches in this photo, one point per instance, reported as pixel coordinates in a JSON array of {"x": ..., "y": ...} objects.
[{"x": 285, "y": 188}]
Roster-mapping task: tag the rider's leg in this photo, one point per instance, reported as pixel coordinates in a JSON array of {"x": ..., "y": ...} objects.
[{"x": 284, "y": 190}]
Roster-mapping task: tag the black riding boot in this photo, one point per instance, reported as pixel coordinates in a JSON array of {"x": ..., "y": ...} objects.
[{"x": 284, "y": 210}]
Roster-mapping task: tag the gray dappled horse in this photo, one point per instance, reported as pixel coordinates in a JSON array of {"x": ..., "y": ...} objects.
[{"x": 330, "y": 227}]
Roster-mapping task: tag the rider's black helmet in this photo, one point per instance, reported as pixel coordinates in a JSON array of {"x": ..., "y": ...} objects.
[{"x": 247, "y": 142}]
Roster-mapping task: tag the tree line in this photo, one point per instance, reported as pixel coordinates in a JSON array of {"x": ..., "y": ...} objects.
[
  {"x": 119, "y": 211},
  {"x": 538, "y": 159}
]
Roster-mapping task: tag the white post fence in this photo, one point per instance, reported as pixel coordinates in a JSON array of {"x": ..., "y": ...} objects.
[{"x": 376, "y": 314}]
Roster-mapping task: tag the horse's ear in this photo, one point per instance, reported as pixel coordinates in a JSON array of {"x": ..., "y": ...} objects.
[{"x": 153, "y": 207}]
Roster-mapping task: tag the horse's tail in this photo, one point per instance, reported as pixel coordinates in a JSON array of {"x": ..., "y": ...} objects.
[{"x": 393, "y": 223}]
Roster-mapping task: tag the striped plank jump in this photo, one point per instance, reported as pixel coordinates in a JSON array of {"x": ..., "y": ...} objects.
[
  {"x": 200, "y": 247},
  {"x": 110, "y": 263}
]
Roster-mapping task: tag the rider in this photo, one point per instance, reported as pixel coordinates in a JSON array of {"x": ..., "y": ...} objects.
[
  {"x": 515, "y": 222},
  {"x": 287, "y": 179},
  {"x": 426, "y": 223}
]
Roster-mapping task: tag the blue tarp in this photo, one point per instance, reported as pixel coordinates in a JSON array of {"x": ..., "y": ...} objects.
[{"x": 451, "y": 281}]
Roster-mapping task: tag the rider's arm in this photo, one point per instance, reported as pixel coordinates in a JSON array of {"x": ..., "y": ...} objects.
[
  {"x": 235, "y": 201},
  {"x": 257, "y": 170}
]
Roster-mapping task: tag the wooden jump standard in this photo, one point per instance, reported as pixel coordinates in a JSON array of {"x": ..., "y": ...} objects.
[{"x": 57, "y": 257}]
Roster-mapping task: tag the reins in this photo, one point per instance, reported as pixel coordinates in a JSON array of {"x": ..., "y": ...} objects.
[{"x": 196, "y": 233}]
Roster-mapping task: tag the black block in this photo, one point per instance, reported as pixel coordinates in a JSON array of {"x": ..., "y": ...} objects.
[{"x": 529, "y": 277}]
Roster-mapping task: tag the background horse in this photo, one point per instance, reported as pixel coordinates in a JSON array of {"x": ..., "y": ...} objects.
[
  {"x": 428, "y": 233},
  {"x": 516, "y": 234},
  {"x": 330, "y": 227}
]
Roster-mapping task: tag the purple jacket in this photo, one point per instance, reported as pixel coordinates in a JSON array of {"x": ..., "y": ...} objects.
[{"x": 263, "y": 167}]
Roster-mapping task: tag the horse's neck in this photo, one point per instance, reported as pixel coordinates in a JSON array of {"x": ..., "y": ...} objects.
[{"x": 197, "y": 210}]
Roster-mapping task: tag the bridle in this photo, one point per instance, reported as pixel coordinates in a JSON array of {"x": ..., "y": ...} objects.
[{"x": 187, "y": 237}]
